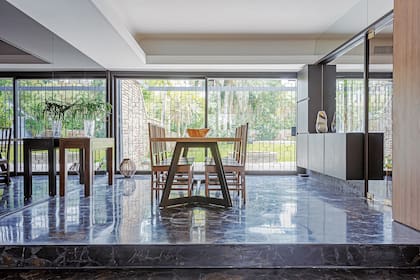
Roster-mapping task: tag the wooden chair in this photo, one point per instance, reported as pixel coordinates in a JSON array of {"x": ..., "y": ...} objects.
[
  {"x": 234, "y": 166},
  {"x": 5, "y": 138},
  {"x": 160, "y": 162}
]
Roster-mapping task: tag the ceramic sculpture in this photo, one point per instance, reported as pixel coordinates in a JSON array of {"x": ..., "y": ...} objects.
[{"x": 321, "y": 122}]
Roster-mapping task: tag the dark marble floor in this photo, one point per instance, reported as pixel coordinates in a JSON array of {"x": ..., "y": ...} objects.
[
  {"x": 279, "y": 209},
  {"x": 216, "y": 274}
]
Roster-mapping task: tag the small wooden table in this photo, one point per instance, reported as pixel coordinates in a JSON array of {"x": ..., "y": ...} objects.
[
  {"x": 39, "y": 144},
  {"x": 196, "y": 142},
  {"x": 88, "y": 145}
]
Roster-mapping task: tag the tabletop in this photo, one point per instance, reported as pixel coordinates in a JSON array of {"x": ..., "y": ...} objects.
[{"x": 195, "y": 139}]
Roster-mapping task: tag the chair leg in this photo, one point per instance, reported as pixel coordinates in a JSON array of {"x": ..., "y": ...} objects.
[
  {"x": 8, "y": 174},
  {"x": 243, "y": 186},
  {"x": 238, "y": 181},
  {"x": 189, "y": 184},
  {"x": 151, "y": 186},
  {"x": 206, "y": 178},
  {"x": 158, "y": 183}
]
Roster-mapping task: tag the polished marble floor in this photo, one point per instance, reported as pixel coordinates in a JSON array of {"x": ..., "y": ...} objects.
[
  {"x": 278, "y": 210},
  {"x": 217, "y": 274}
]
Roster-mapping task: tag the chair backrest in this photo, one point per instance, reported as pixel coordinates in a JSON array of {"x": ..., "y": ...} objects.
[
  {"x": 158, "y": 151},
  {"x": 237, "y": 145},
  {"x": 5, "y": 138},
  {"x": 239, "y": 148},
  {"x": 243, "y": 144}
]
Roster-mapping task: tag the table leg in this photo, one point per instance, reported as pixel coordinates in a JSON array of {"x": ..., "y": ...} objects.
[
  {"x": 171, "y": 175},
  {"x": 81, "y": 167},
  {"x": 27, "y": 171},
  {"x": 52, "y": 171},
  {"x": 63, "y": 170},
  {"x": 88, "y": 170},
  {"x": 185, "y": 152},
  {"x": 220, "y": 173},
  {"x": 109, "y": 165}
]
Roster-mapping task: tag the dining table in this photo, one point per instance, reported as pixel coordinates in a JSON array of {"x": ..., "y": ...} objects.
[
  {"x": 86, "y": 147},
  {"x": 182, "y": 144},
  {"x": 48, "y": 144}
]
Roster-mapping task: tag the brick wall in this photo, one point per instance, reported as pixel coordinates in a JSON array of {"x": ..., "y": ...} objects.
[{"x": 135, "y": 139}]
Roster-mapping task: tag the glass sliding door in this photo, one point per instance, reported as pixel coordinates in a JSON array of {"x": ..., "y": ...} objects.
[
  {"x": 269, "y": 107},
  {"x": 380, "y": 107},
  {"x": 6, "y": 110},
  {"x": 175, "y": 104},
  {"x": 31, "y": 95}
]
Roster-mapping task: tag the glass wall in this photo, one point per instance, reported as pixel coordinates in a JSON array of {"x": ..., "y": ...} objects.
[
  {"x": 350, "y": 102},
  {"x": 268, "y": 105},
  {"x": 6, "y": 108},
  {"x": 32, "y": 121},
  {"x": 380, "y": 106},
  {"x": 172, "y": 104},
  {"x": 350, "y": 106}
]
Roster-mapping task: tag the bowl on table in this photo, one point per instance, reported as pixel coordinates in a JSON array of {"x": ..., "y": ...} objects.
[{"x": 197, "y": 132}]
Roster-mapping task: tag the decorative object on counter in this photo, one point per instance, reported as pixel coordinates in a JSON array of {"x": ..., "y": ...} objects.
[
  {"x": 321, "y": 122},
  {"x": 127, "y": 168},
  {"x": 91, "y": 110},
  {"x": 197, "y": 132},
  {"x": 56, "y": 111},
  {"x": 334, "y": 123}
]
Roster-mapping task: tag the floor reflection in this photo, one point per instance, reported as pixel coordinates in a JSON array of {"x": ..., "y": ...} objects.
[{"x": 278, "y": 210}]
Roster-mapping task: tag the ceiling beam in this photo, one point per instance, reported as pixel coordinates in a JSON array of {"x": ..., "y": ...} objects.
[{"x": 84, "y": 26}]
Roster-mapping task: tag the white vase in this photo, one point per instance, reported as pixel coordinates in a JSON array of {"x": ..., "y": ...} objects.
[
  {"x": 56, "y": 128},
  {"x": 89, "y": 128},
  {"x": 321, "y": 122}
]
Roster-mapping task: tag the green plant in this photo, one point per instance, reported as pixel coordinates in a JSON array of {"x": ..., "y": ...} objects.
[
  {"x": 56, "y": 110},
  {"x": 91, "y": 109},
  {"x": 35, "y": 123}
]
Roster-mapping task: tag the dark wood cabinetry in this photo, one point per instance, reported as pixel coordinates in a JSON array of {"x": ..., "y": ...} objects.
[{"x": 316, "y": 92}]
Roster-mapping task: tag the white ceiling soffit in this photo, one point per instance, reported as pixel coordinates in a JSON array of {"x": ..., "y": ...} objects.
[
  {"x": 84, "y": 26},
  {"x": 236, "y": 31},
  {"x": 229, "y": 17},
  {"x": 232, "y": 35},
  {"x": 11, "y": 54},
  {"x": 44, "y": 49}
]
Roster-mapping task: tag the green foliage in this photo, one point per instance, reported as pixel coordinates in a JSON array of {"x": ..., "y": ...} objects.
[
  {"x": 6, "y": 104},
  {"x": 56, "y": 110},
  {"x": 91, "y": 109},
  {"x": 35, "y": 123},
  {"x": 6, "y": 112}
]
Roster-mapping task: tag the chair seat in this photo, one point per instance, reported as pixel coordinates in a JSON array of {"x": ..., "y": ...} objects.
[
  {"x": 181, "y": 162},
  {"x": 225, "y": 162}
]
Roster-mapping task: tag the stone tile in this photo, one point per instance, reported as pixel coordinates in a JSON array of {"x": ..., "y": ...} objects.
[
  {"x": 278, "y": 210},
  {"x": 216, "y": 274}
]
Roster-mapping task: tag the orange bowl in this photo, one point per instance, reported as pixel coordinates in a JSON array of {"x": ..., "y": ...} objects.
[{"x": 197, "y": 132}]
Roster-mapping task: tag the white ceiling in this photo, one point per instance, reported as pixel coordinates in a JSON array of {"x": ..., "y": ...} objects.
[
  {"x": 229, "y": 16},
  {"x": 197, "y": 35}
]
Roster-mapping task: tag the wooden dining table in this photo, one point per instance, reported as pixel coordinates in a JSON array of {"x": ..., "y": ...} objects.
[
  {"x": 86, "y": 146},
  {"x": 181, "y": 147}
]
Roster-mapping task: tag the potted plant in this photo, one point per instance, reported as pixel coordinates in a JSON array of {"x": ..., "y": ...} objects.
[
  {"x": 91, "y": 110},
  {"x": 56, "y": 110}
]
